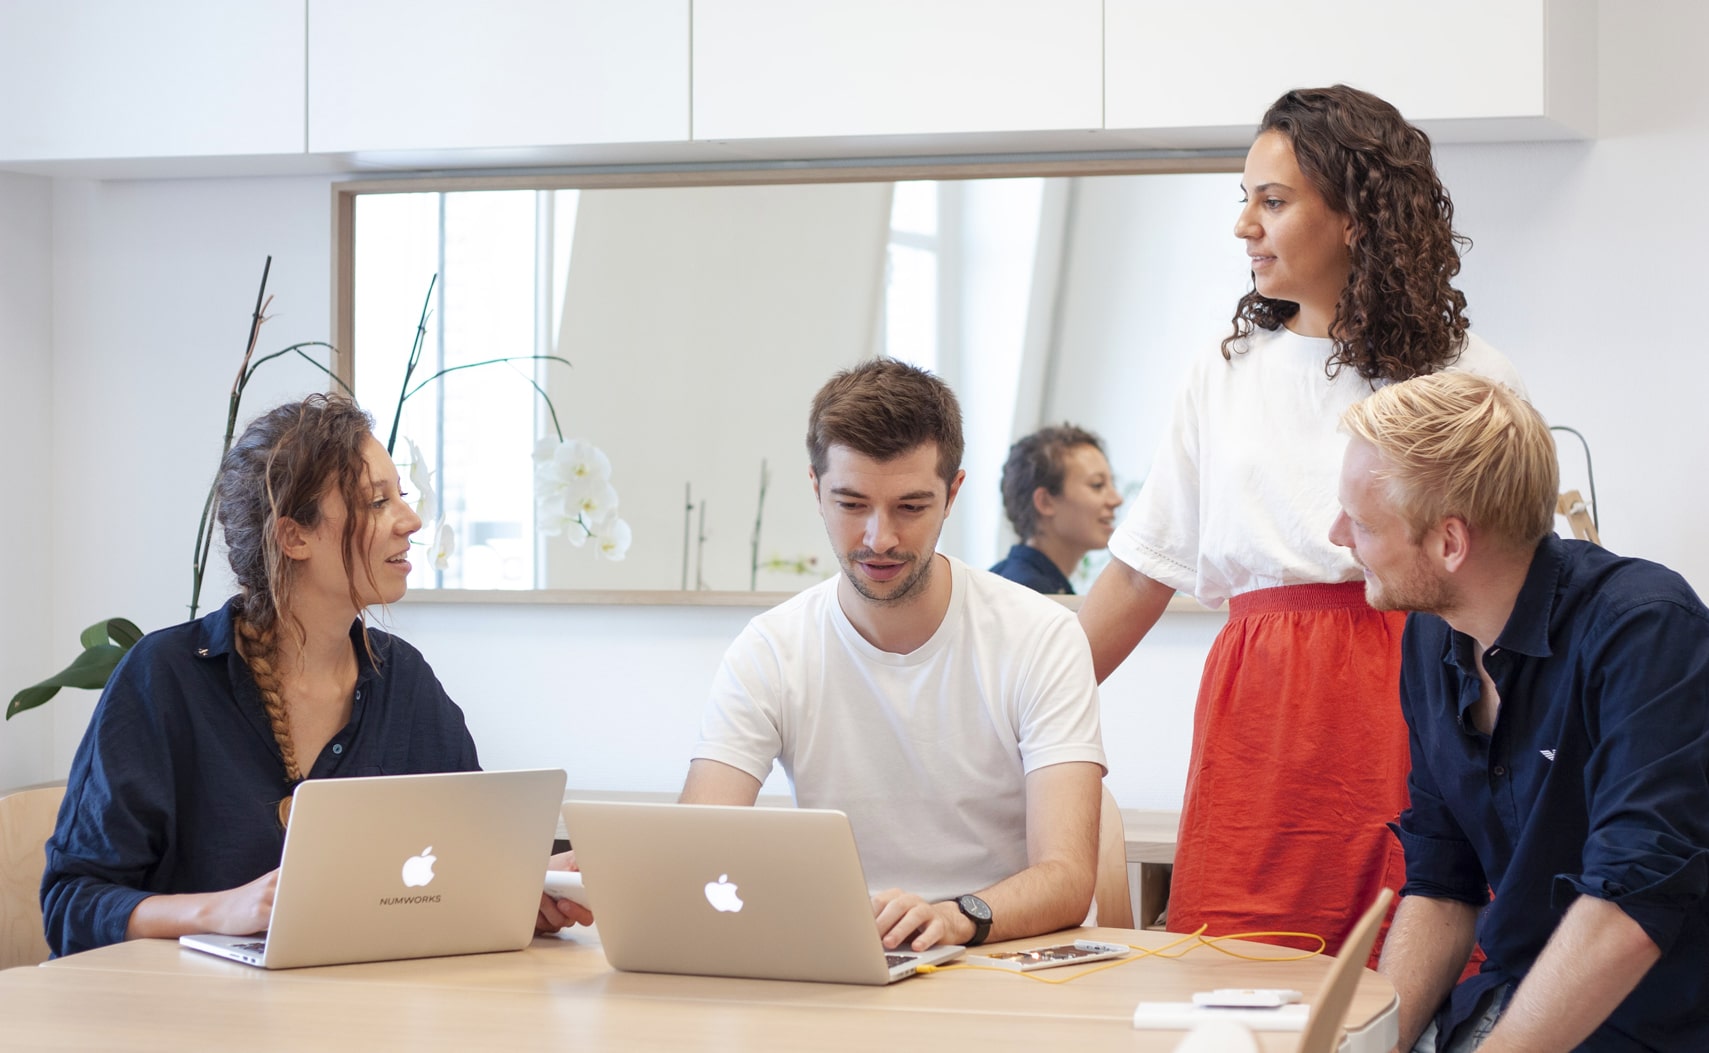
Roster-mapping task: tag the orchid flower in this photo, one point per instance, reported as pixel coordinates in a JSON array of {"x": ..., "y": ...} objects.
[
  {"x": 420, "y": 477},
  {"x": 444, "y": 544},
  {"x": 611, "y": 539}
]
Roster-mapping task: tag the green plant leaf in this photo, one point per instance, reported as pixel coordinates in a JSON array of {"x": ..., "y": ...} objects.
[
  {"x": 88, "y": 670},
  {"x": 121, "y": 631}
]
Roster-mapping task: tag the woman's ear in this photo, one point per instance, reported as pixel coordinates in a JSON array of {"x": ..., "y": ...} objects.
[
  {"x": 1043, "y": 503},
  {"x": 292, "y": 537}
]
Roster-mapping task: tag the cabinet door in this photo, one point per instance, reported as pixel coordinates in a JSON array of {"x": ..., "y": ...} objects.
[
  {"x": 1204, "y": 72},
  {"x": 450, "y": 74},
  {"x": 784, "y": 68},
  {"x": 89, "y": 79}
]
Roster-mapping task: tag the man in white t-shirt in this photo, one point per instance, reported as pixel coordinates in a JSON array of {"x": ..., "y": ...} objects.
[{"x": 951, "y": 714}]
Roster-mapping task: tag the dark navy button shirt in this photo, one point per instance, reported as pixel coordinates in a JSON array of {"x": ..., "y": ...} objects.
[
  {"x": 176, "y": 785},
  {"x": 1032, "y": 568},
  {"x": 1594, "y": 781}
]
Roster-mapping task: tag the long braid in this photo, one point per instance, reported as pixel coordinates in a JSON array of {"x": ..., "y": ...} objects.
[
  {"x": 259, "y": 648},
  {"x": 276, "y": 471}
]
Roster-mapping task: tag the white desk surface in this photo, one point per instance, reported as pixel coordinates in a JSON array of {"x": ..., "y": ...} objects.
[{"x": 559, "y": 993}]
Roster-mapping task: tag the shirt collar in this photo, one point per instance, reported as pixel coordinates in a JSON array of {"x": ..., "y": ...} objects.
[
  {"x": 1039, "y": 562},
  {"x": 216, "y": 637},
  {"x": 1527, "y": 628}
]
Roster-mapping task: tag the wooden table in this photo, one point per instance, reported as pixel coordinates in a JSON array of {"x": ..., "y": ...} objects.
[{"x": 559, "y": 993}]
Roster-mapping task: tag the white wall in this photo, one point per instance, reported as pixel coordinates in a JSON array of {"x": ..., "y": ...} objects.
[
  {"x": 1585, "y": 272},
  {"x": 154, "y": 282},
  {"x": 1588, "y": 272},
  {"x": 26, "y": 482}
]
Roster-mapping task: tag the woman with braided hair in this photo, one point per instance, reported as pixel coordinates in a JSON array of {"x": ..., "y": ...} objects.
[
  {"x": 175, "y": 809},
  {"x": 1299, "y": 753}
]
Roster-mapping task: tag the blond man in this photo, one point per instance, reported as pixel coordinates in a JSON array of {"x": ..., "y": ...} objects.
[{"x": 1557, "y": 699}]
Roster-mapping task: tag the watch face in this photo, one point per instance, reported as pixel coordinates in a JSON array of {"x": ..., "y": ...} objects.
[{"x": 974, "y": 907}]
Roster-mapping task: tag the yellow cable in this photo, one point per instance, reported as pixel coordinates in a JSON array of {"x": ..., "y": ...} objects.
[{"x": 1194, "y": 940}]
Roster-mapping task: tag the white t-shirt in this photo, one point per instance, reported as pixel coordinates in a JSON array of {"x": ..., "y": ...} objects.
[
  {"x": 927, "y": 752},
  {"x": 1243, "y": 489}
]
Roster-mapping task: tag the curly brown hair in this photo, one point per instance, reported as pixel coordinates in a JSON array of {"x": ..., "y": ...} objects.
[{"x": 1398, "y": 316}]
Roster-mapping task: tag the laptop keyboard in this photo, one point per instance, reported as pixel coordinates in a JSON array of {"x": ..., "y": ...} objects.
[
  {"x": 257, "y": 946},
  {"x": 893, "y": 960}
]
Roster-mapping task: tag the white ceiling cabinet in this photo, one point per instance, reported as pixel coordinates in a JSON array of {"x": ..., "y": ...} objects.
[
  {"x": 768, "y": 69},
  {"x": 1202, "y": 73},
  {"x": 166, "y": 78},
  {"x": 407, "y": 75}
]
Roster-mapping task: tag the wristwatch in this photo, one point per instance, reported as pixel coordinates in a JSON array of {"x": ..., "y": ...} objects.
[{"x": 979, "y": 913}]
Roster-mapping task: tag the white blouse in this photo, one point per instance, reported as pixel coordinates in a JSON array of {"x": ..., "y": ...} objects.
[{"x": 1242, "y": 492}]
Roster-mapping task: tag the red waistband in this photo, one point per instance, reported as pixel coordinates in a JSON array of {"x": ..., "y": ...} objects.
[{"x": 1342, "y": 596}]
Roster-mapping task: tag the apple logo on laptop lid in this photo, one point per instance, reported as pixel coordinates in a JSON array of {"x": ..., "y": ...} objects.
[
  {"x": 722, "y": 895},
  {"x": 418, "y": 870}
]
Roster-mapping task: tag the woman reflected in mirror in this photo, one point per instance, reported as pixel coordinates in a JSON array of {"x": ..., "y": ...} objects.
[{"x": 1061, "y": 499}]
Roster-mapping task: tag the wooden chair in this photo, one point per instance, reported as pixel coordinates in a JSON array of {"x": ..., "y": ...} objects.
[
  {"x": 1329, "y": 1005},
  {"x": 1114, "y": 901},
  {"x": 1322, "y": 1032},
  {"x": 26, "y": 821}
]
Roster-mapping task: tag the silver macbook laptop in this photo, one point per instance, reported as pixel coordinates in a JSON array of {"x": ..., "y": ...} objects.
[
  {"x": 769, "y": 893},
  {"x": 406, "y": 866}
]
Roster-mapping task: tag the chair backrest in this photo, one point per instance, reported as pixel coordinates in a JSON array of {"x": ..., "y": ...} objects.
[
  {"x": 26, "y": 821},
  {"x": 1111, "y": 894},
  {"x": 1322, "y": 1032}
]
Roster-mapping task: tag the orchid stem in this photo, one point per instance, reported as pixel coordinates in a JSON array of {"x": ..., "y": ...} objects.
[
  {"x": 409, "y": 367},
  {"x": 204, "y": 530}
]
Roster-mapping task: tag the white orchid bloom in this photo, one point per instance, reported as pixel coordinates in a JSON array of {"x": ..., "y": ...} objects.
[
  {"x": 578, "y": 460},
  {"x": 444, "y": 544},
  {"x": 574, "y": 496},
  {"x": 595, "y": 502},
  {"x": 611, "y": 541},
  {"x": 420, "y": 477}
]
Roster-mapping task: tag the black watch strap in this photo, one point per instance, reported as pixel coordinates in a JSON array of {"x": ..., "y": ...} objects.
[{"x": 978, "y": 912}]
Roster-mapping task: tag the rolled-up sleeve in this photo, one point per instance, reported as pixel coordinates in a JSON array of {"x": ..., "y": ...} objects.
[
  {"x": 1440, "y": 862},
  {"x": 1647, "y": 779}
]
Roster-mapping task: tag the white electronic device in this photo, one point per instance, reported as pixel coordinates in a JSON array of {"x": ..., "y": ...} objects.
[
  {"x": 567, "y": 884},
  {"x": 1247, "y": 997},
  {"x": 385, "y": 867}
]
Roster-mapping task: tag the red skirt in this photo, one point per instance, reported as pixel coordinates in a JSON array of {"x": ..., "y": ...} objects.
[{"x": 1299, "y": 763}]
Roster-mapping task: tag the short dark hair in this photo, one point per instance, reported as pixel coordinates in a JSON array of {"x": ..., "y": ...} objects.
[
  {"x": 883, "y": 409},
  {"x": 1039, "y": 459}
]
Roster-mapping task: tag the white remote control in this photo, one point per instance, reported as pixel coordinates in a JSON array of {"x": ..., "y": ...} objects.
[
  {"x": 566, "y": 884},
  {"x": 1246, "y": 997}
]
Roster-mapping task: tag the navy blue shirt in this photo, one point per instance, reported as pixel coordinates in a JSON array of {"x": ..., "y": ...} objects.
[
  {"x": 1032, "y": 568},
  {"x": 176, "y": 785},
  {"x": 1594, "y": 780}
]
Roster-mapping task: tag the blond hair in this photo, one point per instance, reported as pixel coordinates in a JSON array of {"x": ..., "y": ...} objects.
[{"x": 1457, "y": 444}]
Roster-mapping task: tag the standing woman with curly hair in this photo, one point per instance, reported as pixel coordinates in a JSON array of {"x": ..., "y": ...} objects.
[
  {"x": 175, "y": 809},
  {"x": 1299, "y": 753}
]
